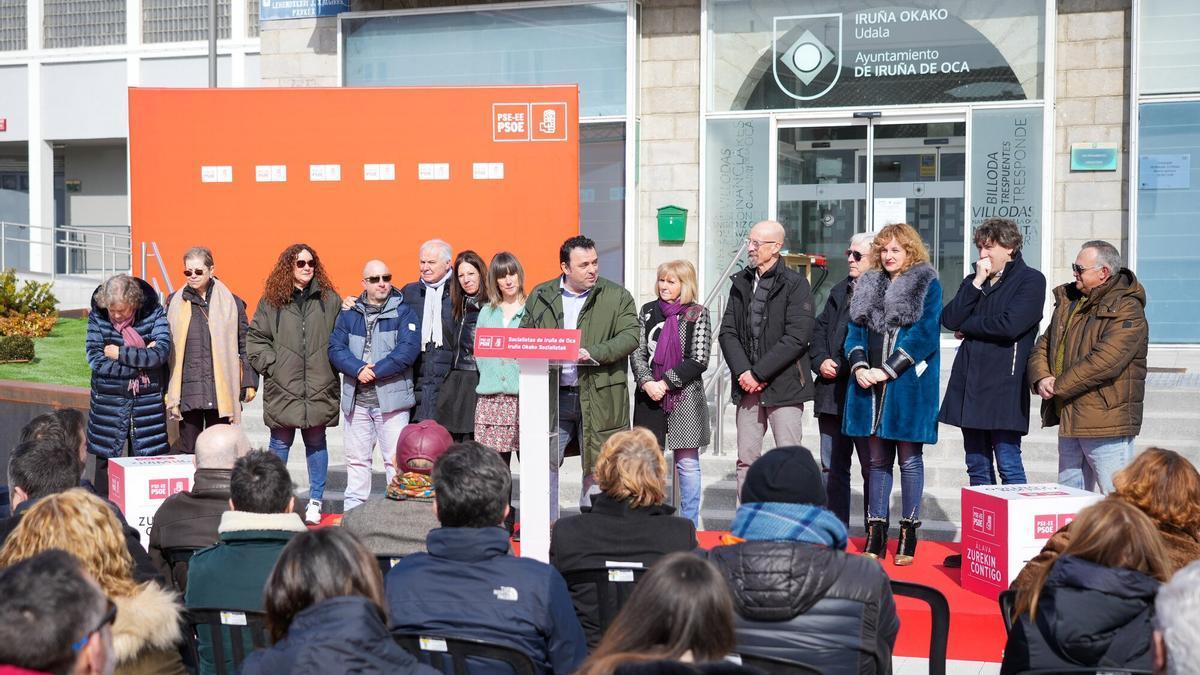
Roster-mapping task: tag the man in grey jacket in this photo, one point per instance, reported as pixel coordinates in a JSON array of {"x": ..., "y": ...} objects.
[{"x": 374, "y": 345}]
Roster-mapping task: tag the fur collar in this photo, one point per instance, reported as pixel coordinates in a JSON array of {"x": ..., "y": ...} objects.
[
  {"x": 146, "y": 621},
  {"x": 883, "y": 305},
  {"x": 244, "y": 521}
]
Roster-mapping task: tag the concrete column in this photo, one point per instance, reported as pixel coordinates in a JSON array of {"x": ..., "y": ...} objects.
[{"x": 41, "y": 156}]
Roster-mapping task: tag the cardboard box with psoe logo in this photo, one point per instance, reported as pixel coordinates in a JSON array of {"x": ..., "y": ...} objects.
[
  {"x": 139, "y": 485},
  {"x": 1003, "y": 526}
]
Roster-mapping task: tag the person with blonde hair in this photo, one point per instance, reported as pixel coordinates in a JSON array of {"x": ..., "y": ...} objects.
[
  {"x": 627, "y": 521},
  {"x": 1166, "y": 487},
  {"x": 1094, "y": 606},
  {"x": 146, "y": 632},
  {"x": 893, "y": 346},
  {"x": 674, "y": 341}
]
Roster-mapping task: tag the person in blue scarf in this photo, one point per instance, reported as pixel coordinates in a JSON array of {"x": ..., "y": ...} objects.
[{"x": 797, "y": 593}]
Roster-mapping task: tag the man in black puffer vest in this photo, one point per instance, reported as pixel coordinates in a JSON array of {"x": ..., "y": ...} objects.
[{"x": 798, "y": 594}]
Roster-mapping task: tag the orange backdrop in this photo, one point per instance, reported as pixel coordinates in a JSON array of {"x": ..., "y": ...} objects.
[{"x": 175, "y": 133}]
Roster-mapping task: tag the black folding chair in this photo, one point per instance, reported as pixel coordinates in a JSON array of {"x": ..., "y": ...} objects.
[
  {"x": 1007, "y": 600},
  {"x": 442, "y": 652},
  {"x": 613, "y": 586},
  {"x": 230, "y": 634},
  {"x": 178, "y": 560},
  {"x": 939, "y": 633},
  {"x": 774, "y": 665}
]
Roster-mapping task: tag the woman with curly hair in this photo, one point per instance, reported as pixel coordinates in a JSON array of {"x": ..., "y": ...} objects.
[
  {"x": 893, "y": 343},
  {"x": 1166, "y": 487},
  {"x": 146, "y": 632},
  {"x": 288, "y": 344}
]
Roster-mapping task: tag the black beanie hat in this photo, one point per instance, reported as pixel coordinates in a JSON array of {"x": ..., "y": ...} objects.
[{"x": 788, "y": 474}]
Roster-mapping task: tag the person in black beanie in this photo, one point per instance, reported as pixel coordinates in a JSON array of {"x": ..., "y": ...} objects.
[{"x": 834, "y": 608}]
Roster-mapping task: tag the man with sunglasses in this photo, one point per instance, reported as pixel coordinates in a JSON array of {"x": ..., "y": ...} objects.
[
  {"x": 1089, "y": 367},
  {"x": 374, "y": 345},
  {"x": 54, "y": 618},
  {"x": 764, "y": 337}
]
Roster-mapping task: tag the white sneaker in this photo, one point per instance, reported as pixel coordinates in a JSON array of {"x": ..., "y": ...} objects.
[{"x": 312, "y": 514}]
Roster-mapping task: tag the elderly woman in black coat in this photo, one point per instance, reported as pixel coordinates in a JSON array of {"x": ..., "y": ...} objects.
[
  {"x": 832, "y": 375},
  {"x": 127, "y": 345}
]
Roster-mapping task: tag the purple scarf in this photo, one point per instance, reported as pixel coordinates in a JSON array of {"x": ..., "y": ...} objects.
[
  {"x": 134, "y": 339},
  {"x": 669, "y": 352}
]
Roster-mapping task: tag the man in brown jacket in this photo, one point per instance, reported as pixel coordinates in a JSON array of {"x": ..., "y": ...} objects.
[{"x": 1089, "y": 368}]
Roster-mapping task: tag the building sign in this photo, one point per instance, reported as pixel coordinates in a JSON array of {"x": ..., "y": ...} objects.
[
  {"x": 1094, "y": 156},
  {"x": 1006, "y": 172},
  {"x": 1165, "y": 172},
  {"x": 271, "y": 10}
]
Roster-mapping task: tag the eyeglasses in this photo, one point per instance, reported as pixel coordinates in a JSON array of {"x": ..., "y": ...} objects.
[
  {"x": 193, "y": 273},
  {"x": 1080, "y": 270},
  {"x": 110, "y": 615},
  {"x": 851, "y": 253},
  {"x": 301, "y": 264},
  {"x": 377, "y": 278},
  {"x": 754, "y": 243}
]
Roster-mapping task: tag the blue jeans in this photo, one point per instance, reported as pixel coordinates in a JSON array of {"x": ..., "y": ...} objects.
[
  {"x": 315, "y": 450},
  {"x": 687, "y": 472},
  {"x": 982, "y": 444},
  {"x": 912, "y": 477},
  {"x": 1088, "y": 463},
  {"x": 835, "y": 466}
]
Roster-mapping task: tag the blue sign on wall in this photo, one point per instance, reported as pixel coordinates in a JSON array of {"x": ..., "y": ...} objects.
[{"x": 270, "y": 10}]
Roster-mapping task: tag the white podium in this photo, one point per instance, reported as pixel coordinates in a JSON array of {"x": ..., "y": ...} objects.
[{"x": 534, "y": 349}]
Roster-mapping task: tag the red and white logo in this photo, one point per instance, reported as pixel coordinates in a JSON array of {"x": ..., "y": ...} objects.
[
  {"x": 161, "y": 488},
  {"x": 1045, "y": 526},
  {"x": 983, "y": 521}
]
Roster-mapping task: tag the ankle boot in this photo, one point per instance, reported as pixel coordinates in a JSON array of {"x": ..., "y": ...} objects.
[
  {"x": 877, "y": 536},
  {"x": 906, "y": 547}
]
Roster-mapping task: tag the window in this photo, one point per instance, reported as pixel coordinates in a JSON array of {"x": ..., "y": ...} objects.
[
  {"x": 182, "y": 20},
  {"x": 83, "y": 23}
]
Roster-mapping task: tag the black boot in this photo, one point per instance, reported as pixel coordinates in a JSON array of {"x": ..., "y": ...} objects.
[
  {"x": 906, "y": 547},
  {"x": 877, "y": 536}
]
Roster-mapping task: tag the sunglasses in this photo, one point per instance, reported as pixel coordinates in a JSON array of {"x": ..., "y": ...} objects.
[
  {"x": 193, "y": 273},
  {"x": 301, "y": 264},
  {"x": 1080, "y": 270},
  {"x": 110, "y": 615},
  {"x": 377, "y": 278},
  {"x": 851, "y": 253}
]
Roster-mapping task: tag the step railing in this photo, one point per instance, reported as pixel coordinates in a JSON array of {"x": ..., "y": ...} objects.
[
  {"x": 96, "y": 252},
  {"x": 716, "y": 378}
]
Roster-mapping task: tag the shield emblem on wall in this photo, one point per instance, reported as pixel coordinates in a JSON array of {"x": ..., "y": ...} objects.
[{"x": 808, "y": 54}]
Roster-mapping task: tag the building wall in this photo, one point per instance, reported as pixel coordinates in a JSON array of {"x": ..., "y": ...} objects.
[
  {"x": 299, "y": 53},
  {"x": 103, "y": 198},
  {"x": 1091, "y": 106}
]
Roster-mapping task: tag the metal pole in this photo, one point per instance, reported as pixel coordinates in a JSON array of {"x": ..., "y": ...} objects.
[{"x": 212, "y": 43}]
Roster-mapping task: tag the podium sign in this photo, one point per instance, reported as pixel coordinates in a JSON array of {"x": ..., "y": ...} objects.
[
  {"x": 534, "y": 349},
  {"x": 1003, "y": 526}
]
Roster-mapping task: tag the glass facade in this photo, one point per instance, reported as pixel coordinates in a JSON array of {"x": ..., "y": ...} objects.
[
  {"x": 1169, "y": 56},
  {"x": 570, "y": 44}
]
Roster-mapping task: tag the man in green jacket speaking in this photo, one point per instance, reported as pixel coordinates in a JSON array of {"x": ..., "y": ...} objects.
[{"x": 593, "y": 395}]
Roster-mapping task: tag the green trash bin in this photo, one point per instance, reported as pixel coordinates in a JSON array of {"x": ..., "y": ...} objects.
[{"x": 672, "y": 224}]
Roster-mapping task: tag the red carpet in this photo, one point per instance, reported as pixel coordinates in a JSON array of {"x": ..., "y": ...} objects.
[{"x": 976, "y": 630}]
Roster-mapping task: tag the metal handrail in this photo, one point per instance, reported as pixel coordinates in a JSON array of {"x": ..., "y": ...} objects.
[
  {"x": 114, "y": 248},
  {"x": 718, "y": 373}
]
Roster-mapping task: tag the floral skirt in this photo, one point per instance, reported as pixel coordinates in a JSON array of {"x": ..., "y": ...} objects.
[{"x": 496, "y": 422}]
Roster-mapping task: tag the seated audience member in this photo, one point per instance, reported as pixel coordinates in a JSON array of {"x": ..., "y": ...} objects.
[
  {"x": 397, "y": 525},
  {"x": 1176, "y": 631},
  {"x": 468, "y": 585},
  {"x": 43, "y": 467},
  {"x": 68, "y": 424},
  {"x": 1166, "y": 487},
  {"x": 54, "y": 619},
  {"x": 189, "y": 520},
  {"x": 1094, "y": 605},
  {"x": 626, "y": 523},
  {"x": 797, "y": 593},
  {"x": 678, "y": 620},
  {"x": 326, "y": 611},
  {"x": 146, "y": 633},
  {"x": 232, "y": 573}
]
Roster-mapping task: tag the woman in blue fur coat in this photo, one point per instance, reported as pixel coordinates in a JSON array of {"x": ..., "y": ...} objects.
[{"x": 892, "y": 345}]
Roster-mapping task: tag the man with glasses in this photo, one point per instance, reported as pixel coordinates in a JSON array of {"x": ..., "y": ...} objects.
[
  {"x": 1089, "y": 367},
  {"x": 764, "y": 337},
  {"x": 374, "y": 345},
  {"x": 54, "y": 618}
]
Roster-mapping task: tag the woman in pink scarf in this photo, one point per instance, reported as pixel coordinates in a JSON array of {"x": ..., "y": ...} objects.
[{"x": 128, "y": 341}]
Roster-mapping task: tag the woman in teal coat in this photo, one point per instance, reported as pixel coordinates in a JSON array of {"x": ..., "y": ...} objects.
[{"x": 892, "y": 345}]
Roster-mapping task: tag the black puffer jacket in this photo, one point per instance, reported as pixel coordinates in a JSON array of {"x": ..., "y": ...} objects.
[
  {"x": 793, "y": 599},
  {"x": 464, "y": 335},
  {"x": 1088, "y": 615}
]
